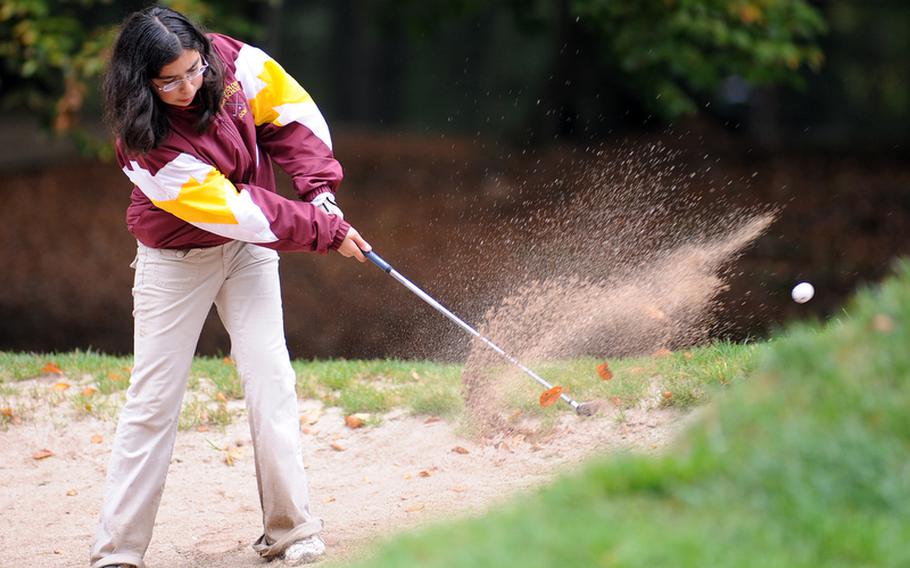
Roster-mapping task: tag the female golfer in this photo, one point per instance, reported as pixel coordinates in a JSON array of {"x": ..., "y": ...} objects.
[{"x": 199, "y": 119}]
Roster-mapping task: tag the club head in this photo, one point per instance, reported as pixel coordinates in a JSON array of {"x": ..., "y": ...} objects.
[{"x": 588, "y": 408}]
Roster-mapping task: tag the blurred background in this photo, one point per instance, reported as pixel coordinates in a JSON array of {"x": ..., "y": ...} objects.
[{"x": 448, "y": 118}]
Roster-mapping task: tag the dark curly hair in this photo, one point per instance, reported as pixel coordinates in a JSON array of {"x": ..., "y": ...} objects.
[{"x": 150, "y": 39}]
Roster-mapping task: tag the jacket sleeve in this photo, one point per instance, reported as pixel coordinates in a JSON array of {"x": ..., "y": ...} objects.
[
  {"x": 196, "y": 192},
  {"x": 289, "y": 126}
]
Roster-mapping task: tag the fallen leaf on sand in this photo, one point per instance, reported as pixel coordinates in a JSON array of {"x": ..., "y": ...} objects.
[
  {"x": 89, "y": 391},
  {"x": 232, "y": 454},
  {"x": 220, "y": 397},
  {"x": 354, "y": 421},
  {"x": 668, "y": 395},
  {"x": 425, "y": 473},
  {"x": 460, "y": 450},
  {"x": 338, "y": 447},
  {"x": 51, "y": 369},
  {"x": 604, "y": 371},
  {"x": 458, "y": 488},
  {"x": 329, "y": 499},
  {"x": 414, "y": 508},
  {"x": 6, "y": 411},
  {"x": 61, "y": 386},
  {"x": 97, "y": 439},
  {"x": 308, "y": 430},
  {"x": 662, "y": 352},
  {"x": 202, "y": 428},
  {"x": 72, "y": 493},
  {"x": 42, "y": 454},
  {"x": 310, "y": 417},
  {"x": 550, "y": 396},
  {"x": 616, "y": 401},
  {"x": 432, "y": 419}
]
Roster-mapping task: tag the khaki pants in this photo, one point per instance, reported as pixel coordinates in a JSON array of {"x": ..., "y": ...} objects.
[{"x": 173, "y": 292}]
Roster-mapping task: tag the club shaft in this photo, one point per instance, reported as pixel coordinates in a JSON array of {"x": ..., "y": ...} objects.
[{"x": 387, "y": 268}]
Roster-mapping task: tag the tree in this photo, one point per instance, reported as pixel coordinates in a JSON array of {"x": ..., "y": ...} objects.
[
  {"x": 665, "y": 54},
  {"x": 49, "y": 56},
  {"x": 53, "y": 53},
  {"x": 672, "y": 51}
]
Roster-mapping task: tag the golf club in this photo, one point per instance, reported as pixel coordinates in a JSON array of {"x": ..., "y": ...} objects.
[{"x": 583, "y": 408}]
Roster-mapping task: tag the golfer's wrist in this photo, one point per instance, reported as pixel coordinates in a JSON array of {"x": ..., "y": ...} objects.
[
  {"x": 340, "y": 235},
  {"x": 325, "y": 202}
]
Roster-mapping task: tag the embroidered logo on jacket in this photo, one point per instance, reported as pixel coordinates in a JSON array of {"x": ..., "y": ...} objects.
[{"x": 237, "y": 108}]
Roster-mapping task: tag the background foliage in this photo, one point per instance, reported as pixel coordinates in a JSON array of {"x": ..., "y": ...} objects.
[{"x": 528, "y": 66}]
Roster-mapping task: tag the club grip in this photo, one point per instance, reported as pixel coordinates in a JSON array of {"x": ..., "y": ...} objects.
[{"x": 378, "y": 261}]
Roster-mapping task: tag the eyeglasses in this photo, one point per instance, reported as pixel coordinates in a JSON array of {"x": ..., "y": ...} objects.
[{"x": 189, "y": 77}]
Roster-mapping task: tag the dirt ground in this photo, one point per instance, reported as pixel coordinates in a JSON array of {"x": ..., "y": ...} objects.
[{"x": 366, "y": 483}]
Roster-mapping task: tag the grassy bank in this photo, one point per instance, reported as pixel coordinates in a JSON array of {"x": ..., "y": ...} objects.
[
  {"x": 94, "y": 383},
  {"x": 806, "y": 463}
]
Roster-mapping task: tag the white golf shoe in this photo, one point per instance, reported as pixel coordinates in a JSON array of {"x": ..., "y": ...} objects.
[{"x": 304, "y": 551}]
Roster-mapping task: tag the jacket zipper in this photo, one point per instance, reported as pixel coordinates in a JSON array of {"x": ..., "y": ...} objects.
[{"x": 226, "y": 124}]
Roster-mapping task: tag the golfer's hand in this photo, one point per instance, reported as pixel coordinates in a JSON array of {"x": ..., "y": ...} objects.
[
  {"x": 326, "y": 202},
  {"x": 353, "y": 244}
]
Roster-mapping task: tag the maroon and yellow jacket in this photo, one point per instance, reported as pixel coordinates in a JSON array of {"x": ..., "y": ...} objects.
[{"x": 205, "y": 189}]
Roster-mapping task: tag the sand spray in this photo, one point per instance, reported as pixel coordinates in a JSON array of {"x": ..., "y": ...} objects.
[{"x": 628, "y": 261}]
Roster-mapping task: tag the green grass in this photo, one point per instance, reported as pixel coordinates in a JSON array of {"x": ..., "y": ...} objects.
[
  {"x": 691, "y": 377},
  {"x": 378, "y": 386},
  {"x": 681, "y": 379},
  {"x": 804, "y": 461},
  {"x": 19, "y": 366},
  {"x": 355, "y": 386}
]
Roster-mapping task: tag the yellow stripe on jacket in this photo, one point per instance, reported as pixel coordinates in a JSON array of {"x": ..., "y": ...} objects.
[
  {"x": 204, "y": 202},
  {"x": 213, "y": 204},
  {"x": 274, "y": 96}
]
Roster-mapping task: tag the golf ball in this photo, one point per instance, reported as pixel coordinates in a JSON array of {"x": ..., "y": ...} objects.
[{"x": 802, "y": 292}]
